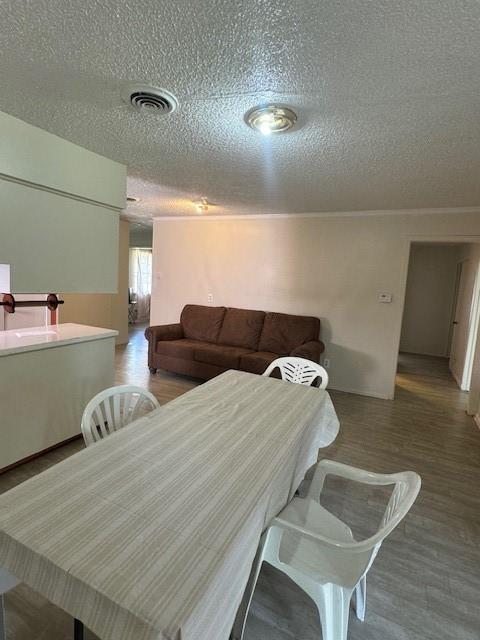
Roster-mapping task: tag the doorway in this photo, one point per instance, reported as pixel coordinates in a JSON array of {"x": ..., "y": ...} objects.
[{"x": 441, "y": 312}]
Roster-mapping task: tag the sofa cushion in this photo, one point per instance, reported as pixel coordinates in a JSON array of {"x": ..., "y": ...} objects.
[
  {"x": 178, "y": 348},
  {"x": 257, "y": 362},
  {"x": 241, "y": 328},
  {"x": 202, "y": 323},
  {"x": 283, "y": 332},
  {"x": 220, "y": 355}
]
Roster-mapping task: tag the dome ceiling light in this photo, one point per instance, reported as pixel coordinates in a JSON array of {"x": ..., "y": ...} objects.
[
  {"x": 201, "y": 205},
  {"x": 271, "y": 118}
]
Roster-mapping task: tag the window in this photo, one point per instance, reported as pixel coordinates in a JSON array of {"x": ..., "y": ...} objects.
[{"x": 140, "y": 281}]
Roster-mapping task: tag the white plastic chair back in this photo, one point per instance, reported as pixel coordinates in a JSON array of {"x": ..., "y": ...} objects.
[
  {"x": 320, "y": 552},
  {"x": 114, "y": 408},
  {"x": 299, "y": 370},
  {"x": 406, "y": 487}
]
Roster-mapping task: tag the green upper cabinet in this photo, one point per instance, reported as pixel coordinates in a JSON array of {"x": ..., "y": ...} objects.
[{"x": 59, "y": 212}]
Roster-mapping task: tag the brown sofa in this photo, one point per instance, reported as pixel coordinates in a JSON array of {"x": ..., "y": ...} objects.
[{"x": 210, "y": 340}]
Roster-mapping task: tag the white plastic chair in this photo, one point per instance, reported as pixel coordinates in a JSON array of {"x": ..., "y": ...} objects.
[
  {"x": 114, "y": 408},
  {"x": 298, "y": 370},
  {"x": 318, "y": 551}
]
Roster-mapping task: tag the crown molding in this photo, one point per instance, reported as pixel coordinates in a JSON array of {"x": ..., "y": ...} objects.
[{"x": 324, "y": 214}]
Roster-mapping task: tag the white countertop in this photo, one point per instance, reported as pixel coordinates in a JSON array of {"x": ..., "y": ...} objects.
[{"x": 35, "y": 338}]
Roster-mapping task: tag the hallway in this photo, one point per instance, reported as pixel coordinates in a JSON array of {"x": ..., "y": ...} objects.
[{"x": 425, "y": 582}]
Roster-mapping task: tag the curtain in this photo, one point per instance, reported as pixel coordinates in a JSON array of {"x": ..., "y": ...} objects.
[{"x": 140, "y": 278}]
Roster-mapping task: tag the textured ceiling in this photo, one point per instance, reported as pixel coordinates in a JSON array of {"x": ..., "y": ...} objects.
[{"x": 387, "y": 95}]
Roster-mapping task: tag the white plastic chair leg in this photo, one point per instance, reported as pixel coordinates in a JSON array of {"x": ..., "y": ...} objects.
[
  {"x": 333, "y": 605},
  {"x": 361, "y": 598}
]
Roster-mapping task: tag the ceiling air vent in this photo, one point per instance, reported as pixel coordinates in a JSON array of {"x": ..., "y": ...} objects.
[{"x": 150, "y": 99}]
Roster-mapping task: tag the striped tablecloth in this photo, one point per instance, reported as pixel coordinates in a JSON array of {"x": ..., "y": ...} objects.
[{"x": 151, "y": 533}]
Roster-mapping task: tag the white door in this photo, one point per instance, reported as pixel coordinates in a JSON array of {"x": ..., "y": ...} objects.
[{"x": 462, "y": 324}]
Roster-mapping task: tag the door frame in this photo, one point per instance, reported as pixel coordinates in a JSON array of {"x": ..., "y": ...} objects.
[
  {"x": 473, "y": 324},
  {"x": 409, "y": 240},
  {"x": 458, "y": 276}
]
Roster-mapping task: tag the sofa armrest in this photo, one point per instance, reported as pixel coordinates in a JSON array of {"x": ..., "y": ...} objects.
[
  {"x": 310, "y": 350},
  {"x": 164, "y": 332},
  {"x": 157, "y": 334}
]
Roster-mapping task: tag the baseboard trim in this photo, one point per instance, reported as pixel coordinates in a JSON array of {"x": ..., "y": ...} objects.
[
  {"x": 424, "y": 353},
  {"x": 459, "y": 382},
  {"x": 357, "y": 392},
  {"x": 38, "y": 454}
]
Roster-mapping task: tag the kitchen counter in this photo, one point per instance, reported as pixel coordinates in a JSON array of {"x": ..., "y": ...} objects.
[
  {"x": 47, "y": 377},
  {"x": 34, "y": 338}
]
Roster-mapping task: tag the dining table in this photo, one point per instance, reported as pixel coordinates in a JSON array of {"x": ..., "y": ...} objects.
[{"x": 150, "y": 534}]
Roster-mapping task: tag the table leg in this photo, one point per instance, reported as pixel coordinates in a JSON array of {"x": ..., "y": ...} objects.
[
  {"x": 7, "y": 582},
  {"x": 3, "y": 633},
  {"x": 242, "y": 613},
  {"x": 77, "y": 630}
]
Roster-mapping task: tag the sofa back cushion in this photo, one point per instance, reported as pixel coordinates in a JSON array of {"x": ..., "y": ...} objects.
[
  {"x": 241, "y": 328},
  {"x": 283, "y": 332},
  {"x": 202, "y": 323}
]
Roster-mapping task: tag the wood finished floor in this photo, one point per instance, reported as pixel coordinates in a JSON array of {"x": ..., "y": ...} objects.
[{"x": 425, "y": 582}]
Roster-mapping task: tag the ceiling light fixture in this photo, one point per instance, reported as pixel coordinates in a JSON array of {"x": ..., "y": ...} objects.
[
  {"x": 132, "y": 199},
  {"x": 271, "y": 119},
  {"x": 201, "y": 205}
]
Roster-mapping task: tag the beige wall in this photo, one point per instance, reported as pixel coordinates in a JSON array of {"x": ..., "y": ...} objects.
[
  {"x": 103, "y": 309},
  {"x": 429, "y": 297},
  {"x": 330, "y": 267},
  {"x": 120, "y": 300}
]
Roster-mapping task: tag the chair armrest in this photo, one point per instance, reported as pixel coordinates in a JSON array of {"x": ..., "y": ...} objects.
[
  {"x": 326, "y": 467},
  {"x": 285, "y": 525},
  {"x": 164, "y": 332},
  {"x": 331, "y": 467},
  {"x": 310, "y": 350}
]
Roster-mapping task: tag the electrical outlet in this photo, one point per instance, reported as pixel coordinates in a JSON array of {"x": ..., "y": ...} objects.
[
  {"x": 326, "y": 362},
  {"x": 210, "y": 297}
]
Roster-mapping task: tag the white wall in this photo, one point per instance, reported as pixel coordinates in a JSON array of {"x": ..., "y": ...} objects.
[
  {"x": 26, "y": 316},
  {"x": 38, "y": 157},
  {"x": 427, "y": 315},
  {"x": 59, "y": 214},
  {"x": 330, "y": 267}
]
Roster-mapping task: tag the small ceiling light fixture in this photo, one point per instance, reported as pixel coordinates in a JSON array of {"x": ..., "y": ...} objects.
[
  {"x": 201, "y": 205},
  {"x": 132, "y": 199},
  {"x": 271, "y": 118}
]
